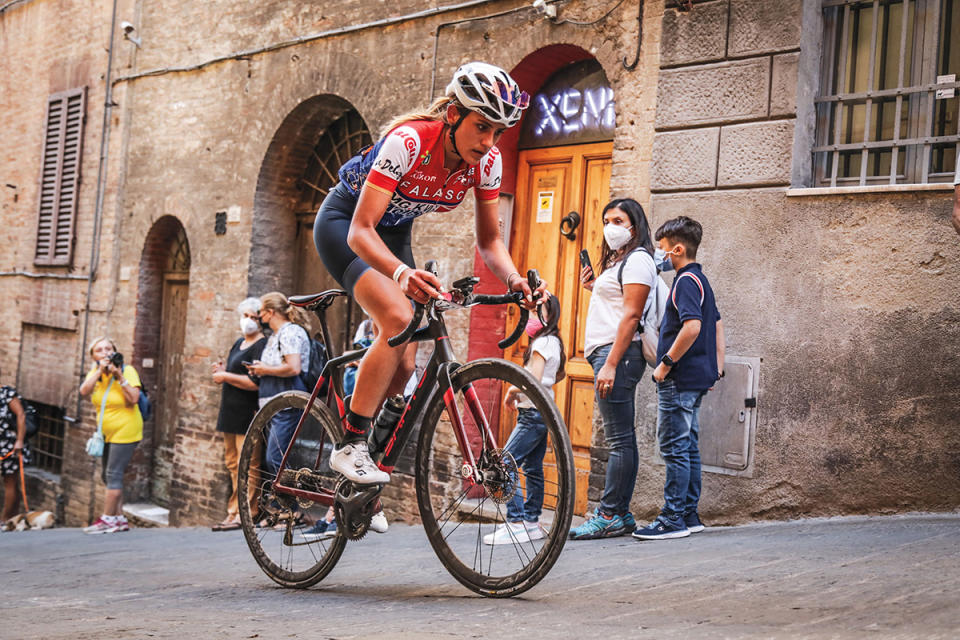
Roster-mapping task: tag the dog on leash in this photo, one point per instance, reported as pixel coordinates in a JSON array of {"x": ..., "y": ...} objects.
[{"x": 32, "y": 520}]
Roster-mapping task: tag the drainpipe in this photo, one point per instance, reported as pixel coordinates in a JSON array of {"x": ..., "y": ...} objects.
[{"x": 95, "y": 237}]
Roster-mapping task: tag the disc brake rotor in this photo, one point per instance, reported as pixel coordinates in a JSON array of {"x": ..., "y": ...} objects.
[{"x": 500, "y": 475}]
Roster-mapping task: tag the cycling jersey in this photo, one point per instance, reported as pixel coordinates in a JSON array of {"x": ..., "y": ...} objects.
[{"x": 408, "y": 164}]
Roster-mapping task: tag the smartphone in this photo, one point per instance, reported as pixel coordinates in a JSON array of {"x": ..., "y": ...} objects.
[
  {"x": 246, "y": 363},
  {"x": 585, "y": 258}
]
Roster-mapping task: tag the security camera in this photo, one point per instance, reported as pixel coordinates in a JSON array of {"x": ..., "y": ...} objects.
[
  {"x": 128, "y": 31},
  {"x": 548, "y": 10}
]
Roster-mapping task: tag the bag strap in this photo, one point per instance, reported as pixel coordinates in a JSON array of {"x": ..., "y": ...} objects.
[
  {"x": 673, "y": 295},
  {"x": 103, "y": 406},
  {"x": 653, "y": 289}
]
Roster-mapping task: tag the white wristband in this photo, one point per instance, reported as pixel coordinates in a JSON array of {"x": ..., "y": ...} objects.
[{"x": 398, "y": 271}]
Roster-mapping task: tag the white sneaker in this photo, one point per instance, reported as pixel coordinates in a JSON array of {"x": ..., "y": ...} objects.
[
  {"x": 514, "y": 533},
  {"x": 378, "y": 523},
  {"x": 354, "y": 462}
]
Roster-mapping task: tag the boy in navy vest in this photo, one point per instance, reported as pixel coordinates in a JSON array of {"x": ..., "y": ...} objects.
[{"x": 690, "y": 360}]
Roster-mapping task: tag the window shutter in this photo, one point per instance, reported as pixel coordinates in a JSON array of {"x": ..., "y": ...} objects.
[{"x": 60, "y": 177}]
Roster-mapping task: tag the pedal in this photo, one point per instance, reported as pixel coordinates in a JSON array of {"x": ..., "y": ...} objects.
[{"x": 354, "y": 507}]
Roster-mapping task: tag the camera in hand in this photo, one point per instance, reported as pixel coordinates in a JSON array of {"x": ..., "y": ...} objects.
[{"x": 116, "y": 359}]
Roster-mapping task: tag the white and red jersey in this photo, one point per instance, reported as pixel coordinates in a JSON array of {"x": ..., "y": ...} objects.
[{"x": 408, "y": 164}]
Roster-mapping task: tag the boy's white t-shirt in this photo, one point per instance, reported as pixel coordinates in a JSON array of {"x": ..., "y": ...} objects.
[
  {"x": 606, "y": 304},
  {"x": 549, "y": 349}
]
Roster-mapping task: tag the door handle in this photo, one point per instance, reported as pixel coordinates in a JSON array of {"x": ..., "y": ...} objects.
[{"x": 569, "y": 224}]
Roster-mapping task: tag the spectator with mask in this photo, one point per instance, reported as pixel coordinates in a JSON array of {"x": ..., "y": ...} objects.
[
  {"x": 285, "y": 355},
  {"x": 238, "y": 404},
  {"x": 613, "y": 348}
]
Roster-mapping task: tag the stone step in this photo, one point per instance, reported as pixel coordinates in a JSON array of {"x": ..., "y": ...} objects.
[{"x": 146, "y": 514}]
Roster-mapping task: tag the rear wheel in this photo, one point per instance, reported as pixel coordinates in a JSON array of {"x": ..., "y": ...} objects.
[
  {"x": 466, "y": 521},
  {"x": 277, "y": 532}
]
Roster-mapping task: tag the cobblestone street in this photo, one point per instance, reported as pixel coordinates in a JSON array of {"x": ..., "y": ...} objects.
[{"x": 876, "y": 577}]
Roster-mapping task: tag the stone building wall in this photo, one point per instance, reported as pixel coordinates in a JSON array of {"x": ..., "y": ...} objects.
[{"x": 211, "y": 116}]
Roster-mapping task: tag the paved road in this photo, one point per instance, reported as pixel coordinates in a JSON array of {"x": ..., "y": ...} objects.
[{"x": 879, "y": 577}]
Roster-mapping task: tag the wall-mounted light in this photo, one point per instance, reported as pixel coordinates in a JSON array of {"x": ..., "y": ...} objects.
[{"x": 128, "y": 31}]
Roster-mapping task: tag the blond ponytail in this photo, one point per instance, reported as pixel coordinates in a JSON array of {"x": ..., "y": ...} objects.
[
  {"x": 276, "y": 301},
  {"x": 436, "y": 111}
]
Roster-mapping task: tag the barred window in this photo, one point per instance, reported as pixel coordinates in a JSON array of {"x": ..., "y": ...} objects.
[
  {"x": 47, "y": 444},
  {"x": 888, "y": 106},
  {"x": 60, "y": 177}
]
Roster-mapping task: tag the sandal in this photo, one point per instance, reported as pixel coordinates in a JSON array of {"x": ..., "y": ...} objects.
[{"x": 226, "y": 525}]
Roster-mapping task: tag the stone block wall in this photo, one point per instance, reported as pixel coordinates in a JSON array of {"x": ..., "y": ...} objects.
[{"x": 726, "y": 95}]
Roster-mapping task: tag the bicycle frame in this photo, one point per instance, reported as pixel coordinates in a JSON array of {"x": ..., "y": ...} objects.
[{"x": 435, "y": 378}]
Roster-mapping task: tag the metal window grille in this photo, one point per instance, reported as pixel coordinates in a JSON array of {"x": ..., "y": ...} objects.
[
  {"x": 47, "y": 444},
  {"x": 60, "y": 177},
  {"x": 882, "y": 115}
]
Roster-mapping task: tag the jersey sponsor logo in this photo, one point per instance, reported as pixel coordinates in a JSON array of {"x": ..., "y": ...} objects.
[
  {"x": 410, "y": 142},
  {"x": 385, "y": 165}
]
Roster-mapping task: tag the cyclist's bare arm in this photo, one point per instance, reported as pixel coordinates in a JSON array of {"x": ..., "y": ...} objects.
[
  {"x": 495, "y": 254},
  {"x": 364, "y": 241}
]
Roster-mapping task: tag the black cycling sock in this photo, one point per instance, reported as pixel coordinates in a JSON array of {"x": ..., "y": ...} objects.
[{"x": 357, "y": 428}]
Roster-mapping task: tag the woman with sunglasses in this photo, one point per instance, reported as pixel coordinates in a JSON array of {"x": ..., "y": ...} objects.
[{"x": 424, "y": 162}]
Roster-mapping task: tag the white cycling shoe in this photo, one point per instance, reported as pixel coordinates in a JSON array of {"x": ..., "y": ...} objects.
[{"x": 354, "y": 462}]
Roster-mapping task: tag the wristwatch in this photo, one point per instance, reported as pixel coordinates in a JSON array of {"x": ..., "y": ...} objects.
[{"x": 667, "y": 360}]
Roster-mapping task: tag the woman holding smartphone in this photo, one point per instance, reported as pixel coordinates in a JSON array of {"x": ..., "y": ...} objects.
[
  {"x": 238, "y": 402},
  {"x": 612, "y": 347}
]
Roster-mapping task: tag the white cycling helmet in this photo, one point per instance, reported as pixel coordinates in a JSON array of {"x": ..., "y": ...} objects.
[{"x": 490, "y": 91}]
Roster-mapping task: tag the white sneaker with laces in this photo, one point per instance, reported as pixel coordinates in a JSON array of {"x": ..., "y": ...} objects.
[
  {"x": 509, "y": 533},
  {"x": 354, "y": 462},
  {"x": 378, "y": 523}
]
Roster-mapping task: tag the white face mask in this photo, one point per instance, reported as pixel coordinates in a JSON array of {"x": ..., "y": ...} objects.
[
  {"x": 616, "y": 236},
  {"x": 248, "y": 326}
]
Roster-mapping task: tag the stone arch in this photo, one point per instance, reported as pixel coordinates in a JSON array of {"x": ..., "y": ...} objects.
[
  {"x": 295, "y": 171},
  {"x": 162, "y": 292}
]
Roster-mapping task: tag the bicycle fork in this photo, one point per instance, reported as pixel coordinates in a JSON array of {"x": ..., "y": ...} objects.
[{"x": 470, "y": 469}]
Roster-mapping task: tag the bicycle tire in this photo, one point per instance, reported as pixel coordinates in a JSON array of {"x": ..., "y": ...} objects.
[
  {"x": 438, "y": 470},
  {"x": 304, "y": 563}
]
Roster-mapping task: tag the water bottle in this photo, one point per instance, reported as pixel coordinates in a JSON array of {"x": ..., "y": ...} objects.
[{"x": 386, "y": 420}]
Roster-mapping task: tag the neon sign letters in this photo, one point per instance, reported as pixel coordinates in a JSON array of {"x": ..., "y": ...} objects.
[{"x": 570, "y": 112}]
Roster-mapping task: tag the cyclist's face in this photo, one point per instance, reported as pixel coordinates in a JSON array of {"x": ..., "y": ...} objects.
[{"x": 476, "y": 136}]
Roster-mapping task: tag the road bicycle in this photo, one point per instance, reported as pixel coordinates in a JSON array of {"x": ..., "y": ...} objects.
[{"x": 463, "y": 478}]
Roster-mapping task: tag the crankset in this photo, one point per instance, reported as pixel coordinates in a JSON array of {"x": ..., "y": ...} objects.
[{"x": 354, "y": 507}]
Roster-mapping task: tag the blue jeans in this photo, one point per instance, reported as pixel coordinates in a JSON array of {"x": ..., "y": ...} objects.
[
  {"x": 282, "y": 427},
  {"x": 527, "y": 444},
  {"x": 678, "y": 433},
  {"x": 619, "y": 427}
]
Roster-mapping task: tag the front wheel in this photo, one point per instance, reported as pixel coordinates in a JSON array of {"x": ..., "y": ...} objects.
[
  {"x": 281, "y": 529},
  {"x": 499, "y": 536}
]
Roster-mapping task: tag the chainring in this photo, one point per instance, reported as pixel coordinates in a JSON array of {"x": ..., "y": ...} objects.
[
  {"x": 354, "y": 508},
  {"x": 500, "y": 475}
]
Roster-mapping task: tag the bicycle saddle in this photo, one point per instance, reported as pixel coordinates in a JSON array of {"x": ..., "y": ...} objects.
[{"x": 317, "y": 300}]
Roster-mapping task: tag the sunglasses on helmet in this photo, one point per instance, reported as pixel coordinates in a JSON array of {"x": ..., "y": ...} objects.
[{"x": 514, "y": 97}]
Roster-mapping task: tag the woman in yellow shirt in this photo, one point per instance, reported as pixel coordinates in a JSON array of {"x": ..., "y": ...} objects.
[{"x": 122, "y": 428}]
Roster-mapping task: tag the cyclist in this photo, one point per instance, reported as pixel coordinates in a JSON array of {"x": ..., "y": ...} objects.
[{"x": 424, "y": 162}]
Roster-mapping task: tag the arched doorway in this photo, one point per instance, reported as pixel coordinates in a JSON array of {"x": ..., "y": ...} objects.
[
  {"x": 162, "y": 295},
  {"x": 298, "y": 170},
  {"x": 562, "y": 150}
]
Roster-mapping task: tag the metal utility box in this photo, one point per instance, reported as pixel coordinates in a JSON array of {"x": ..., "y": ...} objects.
[{"x": 728, "y": 419}]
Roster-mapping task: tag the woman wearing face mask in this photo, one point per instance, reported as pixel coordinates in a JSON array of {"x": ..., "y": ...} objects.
[
  {"x": 238, "y": 401},
  {"x": 612, "y": 346}
]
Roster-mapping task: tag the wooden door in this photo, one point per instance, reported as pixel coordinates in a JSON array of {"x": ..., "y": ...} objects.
[
  {"x": 176, "y": 288},
  {"x": 551, "y": 183}
]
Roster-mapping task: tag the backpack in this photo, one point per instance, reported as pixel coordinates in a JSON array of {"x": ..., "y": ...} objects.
[
  {"x": 31, "y": 420},
  {"x": 649, "y": 326},
  {"x": 318, "y": 360},
  {"x": 144, "y": 404}
]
